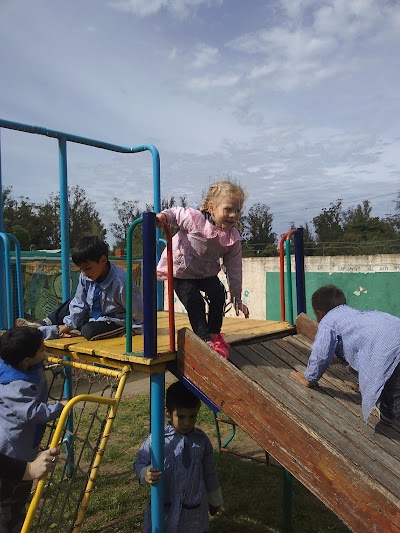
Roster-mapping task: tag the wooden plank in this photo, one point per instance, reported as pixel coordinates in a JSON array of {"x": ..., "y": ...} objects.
[
  {"x": 339, "y": 383},
  {"x": 361, "y": 504},
  {"x": 318, "y": 411},
  {"x": 306, "y": 326}
]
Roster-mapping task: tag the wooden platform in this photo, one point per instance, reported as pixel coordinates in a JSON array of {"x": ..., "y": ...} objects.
[
  {"x": 317, "y": 434},
  {"x": 237, "y": 330}
]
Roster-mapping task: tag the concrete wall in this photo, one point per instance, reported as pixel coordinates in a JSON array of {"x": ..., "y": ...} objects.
[{"x": 369, "y": 282}]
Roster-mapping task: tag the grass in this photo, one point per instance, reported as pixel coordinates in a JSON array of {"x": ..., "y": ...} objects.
[{"x": 252, "y": 491}]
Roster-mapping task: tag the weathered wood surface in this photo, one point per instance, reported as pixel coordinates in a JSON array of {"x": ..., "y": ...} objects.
[
  {"x": 236, "y": 330},
  {"x": 306, "y": 326},
  {"x": 317, "y": 434}
]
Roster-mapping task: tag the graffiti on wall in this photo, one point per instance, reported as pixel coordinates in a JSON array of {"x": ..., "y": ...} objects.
[{"x": 42, "y": 285}]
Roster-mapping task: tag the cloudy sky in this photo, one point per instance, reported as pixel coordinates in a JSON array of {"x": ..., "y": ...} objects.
[{"x": 296, "y": 99}]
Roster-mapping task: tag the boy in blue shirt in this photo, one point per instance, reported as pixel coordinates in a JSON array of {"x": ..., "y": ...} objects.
[
  {"x": 369, "y": 341},
  {"x": 24, "y": 411},
  {"x": 98, "y": 308},
  {"x": 191, "y": 485}
]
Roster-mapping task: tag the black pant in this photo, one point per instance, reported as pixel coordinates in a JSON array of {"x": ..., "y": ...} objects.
[
  {"x": 88, "y": 329},
  {"x": 14, "y": 496},
  {"x": 188, "y": 291},
  {"x": 389, "y": 401}
]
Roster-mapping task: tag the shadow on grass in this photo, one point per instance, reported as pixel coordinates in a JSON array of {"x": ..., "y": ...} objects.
[{"x": 253, "y": 501}]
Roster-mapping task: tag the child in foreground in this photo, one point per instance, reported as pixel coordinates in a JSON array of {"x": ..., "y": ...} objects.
[
  {"x": 98, "y": 308},
  {"x": 191, "y": 485},
  {"x": 24, "y": 411},
  {"x": 370, "y": 343},
  {"x": 206, "y": 237}
]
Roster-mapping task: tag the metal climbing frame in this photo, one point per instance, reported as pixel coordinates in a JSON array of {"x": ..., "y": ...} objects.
[{"x": 60, "y": 502}]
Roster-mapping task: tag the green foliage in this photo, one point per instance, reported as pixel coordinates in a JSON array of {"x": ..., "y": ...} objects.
[
  {"x": 42, "y": 221},
  {"x": 258, "y": 238},
  {"x": 354, "y": 231},
  {"x": 335, "y": 231}
]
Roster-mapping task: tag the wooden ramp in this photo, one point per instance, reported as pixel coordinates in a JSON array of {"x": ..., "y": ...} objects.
[{"x": 317, "y": 434}]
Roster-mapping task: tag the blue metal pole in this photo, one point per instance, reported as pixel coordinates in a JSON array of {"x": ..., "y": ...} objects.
[
  {"x": 157, "y": 388},
  {"x": 300, "y": 275},
  {"x": 1, "y": 194},
  {"x": 18, "y": 272},
  {"x": 149, "y": 285},
  {"x": 157, "y": 381},
  {"x": 7, "y": 281},
  {"x": 64, "y": 218},
  {"x": 129, "y": 284},
  {"x": 2, "y": 253},
  {"x": 157, "y": 209},
  {"x": 289, "y": 281}
]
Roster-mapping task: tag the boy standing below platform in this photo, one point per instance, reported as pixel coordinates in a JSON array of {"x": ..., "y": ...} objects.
[{"x": 192, "y": 490}]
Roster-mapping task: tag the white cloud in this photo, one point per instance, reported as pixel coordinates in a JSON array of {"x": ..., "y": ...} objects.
[
  {"x": 204, "y": 55},
  {"x": 203, "y": 83},
  {"x": 294, "y": 100},
  {"x": 144, "y": 8}
]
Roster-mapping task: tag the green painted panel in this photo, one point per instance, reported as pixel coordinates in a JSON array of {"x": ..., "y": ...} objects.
[{"x": 374, "y": 290}]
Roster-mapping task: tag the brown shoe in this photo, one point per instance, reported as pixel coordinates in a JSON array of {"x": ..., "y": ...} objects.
[{"x": 30, "y": 323}]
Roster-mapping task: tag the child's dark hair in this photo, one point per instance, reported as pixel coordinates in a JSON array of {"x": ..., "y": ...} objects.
[
  {"x": 178, "y": 396},
  {"x": 327, "y": 297},
  {"x": 89, "y": 248},
  {"x": 18, "y": 343}
]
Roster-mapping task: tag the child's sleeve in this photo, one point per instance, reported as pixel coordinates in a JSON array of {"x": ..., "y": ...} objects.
[
  {"x": 233, "y": 264},
  {"x": 143, "y": 460},
  {"x": 322, "y": 352},
  {"x": 211, "y": 482},
  {"x": 22, "y": 401},
  {"x": 78, "y": 307}
]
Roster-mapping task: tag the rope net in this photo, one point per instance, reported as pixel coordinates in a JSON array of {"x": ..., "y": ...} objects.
[{"x": 81, "y": 433}]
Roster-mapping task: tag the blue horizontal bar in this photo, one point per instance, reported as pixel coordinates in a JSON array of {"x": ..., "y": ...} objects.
[
  {"x": 178, "y": 374},
  {"x": 75, "y": 138}
]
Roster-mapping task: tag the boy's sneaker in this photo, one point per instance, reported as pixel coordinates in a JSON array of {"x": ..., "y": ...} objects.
[
  {"x": 219, "y": 348},
  {"x": 390, "y": 422},
  {"x": 30, "y": 323}
]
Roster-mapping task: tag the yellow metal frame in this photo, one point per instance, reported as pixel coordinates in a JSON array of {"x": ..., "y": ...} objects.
[{"x": 122, "y": 374}]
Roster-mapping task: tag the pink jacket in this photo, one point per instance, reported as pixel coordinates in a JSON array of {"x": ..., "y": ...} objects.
[{"x": 198, "y": 247}]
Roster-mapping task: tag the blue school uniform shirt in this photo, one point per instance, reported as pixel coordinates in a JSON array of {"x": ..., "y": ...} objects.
[
  {"x": 112, "y": 293},
  {"x": 190, "y": 480},
  {"x": 368, "y": 340},
  {"x": 24, "y": 410}
]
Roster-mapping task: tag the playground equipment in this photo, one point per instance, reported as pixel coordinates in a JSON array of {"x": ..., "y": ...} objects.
[{"x": 317, "y": 436}]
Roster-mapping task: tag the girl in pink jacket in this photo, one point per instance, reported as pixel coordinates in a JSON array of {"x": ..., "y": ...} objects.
[{"x": 207, "y": 239}]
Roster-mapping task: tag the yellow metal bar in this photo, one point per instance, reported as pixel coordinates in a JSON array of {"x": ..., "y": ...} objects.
[
  {"x": 113, "y": 402},
  {"x": 87, "y": 366},
  {"x": 100, "y": 452}
]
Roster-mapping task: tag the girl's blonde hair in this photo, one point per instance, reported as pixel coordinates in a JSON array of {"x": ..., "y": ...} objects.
[{"x": 222, "y": 188}]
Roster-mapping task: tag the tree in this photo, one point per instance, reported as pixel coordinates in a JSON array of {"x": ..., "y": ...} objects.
[
  {"x": 20, "y": 218},
  {"x": 84, "y": 219},
  {"x": 258, "y": 237},
  {"x": 328, "y": 229},
  {"x": 127, "y": 212},
  {"x": 308, "y": 239},
  {"x": 365, "y": 234}
]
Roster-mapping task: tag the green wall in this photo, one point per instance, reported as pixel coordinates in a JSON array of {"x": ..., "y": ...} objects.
[{"x": 376, "y": 290}]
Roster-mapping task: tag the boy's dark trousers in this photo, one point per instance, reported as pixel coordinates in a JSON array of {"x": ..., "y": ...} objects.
[
  {"x": 389, "y": 401},
  {"x": 14, "y": 496},
  {"x": 88, "y": 329},
  {"x": 188, "y": 291}
]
